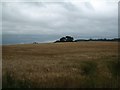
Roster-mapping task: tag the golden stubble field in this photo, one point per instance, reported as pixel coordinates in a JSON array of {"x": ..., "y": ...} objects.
[{"x": 61, "y": 65}]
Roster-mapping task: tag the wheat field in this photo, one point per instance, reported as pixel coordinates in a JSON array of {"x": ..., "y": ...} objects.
[{"x": 61, "y": 65}]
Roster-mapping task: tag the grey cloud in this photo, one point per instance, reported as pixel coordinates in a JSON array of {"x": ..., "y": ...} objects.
[{"x": 59, "y": 19}]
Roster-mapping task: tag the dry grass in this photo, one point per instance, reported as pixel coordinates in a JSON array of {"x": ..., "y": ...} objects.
[{"x": 65, "y": 65}]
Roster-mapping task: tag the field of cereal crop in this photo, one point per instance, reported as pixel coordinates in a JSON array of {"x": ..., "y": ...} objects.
[{"x": 61, "y": 65}]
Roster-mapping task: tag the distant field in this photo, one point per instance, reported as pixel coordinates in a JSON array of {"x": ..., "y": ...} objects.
[{"x": 65, "y": 65}]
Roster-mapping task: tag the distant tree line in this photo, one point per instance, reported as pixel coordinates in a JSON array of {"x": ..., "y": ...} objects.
[
  {"x": 114, "y": 39},
  {"x": 71, "y": 39}
]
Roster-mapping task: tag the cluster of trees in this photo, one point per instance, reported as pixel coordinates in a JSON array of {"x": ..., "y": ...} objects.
[
  {"x": 71, "y": 39},
  {"x": 35, "y": 42},
  {"x": 66, "y": 39}
]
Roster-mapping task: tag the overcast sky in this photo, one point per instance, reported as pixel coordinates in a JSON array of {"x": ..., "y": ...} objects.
[{"x": 95, "y": 18}]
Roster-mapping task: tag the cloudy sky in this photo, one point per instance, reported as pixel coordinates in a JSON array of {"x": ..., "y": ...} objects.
[{"x": 88, "y": 18}]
